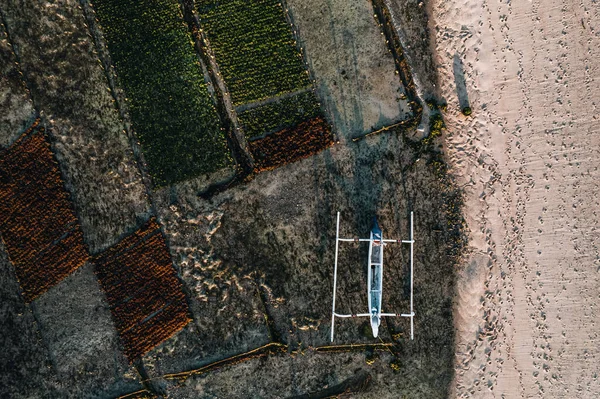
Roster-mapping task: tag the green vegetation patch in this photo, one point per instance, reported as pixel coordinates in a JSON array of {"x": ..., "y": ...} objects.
[
  {"x": 172, "y": 112},
  {"x": 277, "y": 115},
  {"x": 254, "y": 48},
  {"x": 436, "y": 124}
]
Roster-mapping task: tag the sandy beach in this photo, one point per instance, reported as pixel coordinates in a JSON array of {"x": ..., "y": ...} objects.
[{"x": 526, "y": 311}]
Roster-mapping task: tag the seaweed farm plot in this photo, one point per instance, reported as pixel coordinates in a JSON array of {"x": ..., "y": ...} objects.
[
  {"x": 172, "y": 112},
  {"x": 254, "y": 47},
  {"x": 277, "y": 115},
  {"x": 291, "y": 144},
  {"x": 145, "y": 296},
  {"x": 37, "y": 222},
  {"x": 280, "y": 132},
  {"x": 267, "y": 78},
  {"x": 286, "y": 130}
]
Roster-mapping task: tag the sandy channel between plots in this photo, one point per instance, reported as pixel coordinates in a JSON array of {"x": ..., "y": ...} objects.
[{"x": 526, "y": 310}]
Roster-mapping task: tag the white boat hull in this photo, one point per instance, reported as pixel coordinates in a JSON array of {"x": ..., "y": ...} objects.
[{"x": 375, "y": 277}]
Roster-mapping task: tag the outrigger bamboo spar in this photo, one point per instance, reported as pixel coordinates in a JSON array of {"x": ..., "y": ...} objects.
[{"x": 374, "y": 277}]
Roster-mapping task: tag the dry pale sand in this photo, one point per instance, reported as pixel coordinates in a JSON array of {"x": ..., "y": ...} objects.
[{"x": 527, "y": 296}]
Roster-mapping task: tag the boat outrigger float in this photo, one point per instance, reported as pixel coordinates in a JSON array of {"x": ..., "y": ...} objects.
[{"x": 374, "y": 277}]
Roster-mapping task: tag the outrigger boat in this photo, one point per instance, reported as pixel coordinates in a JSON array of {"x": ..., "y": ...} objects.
[{"x": 374, "y": 277}]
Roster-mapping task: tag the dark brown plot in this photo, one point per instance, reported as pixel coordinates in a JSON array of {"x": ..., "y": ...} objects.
[
  {"x": 37, "y": 221},
  {"x": 143, "y": 291},
  {"x": 291, "y": 144}
]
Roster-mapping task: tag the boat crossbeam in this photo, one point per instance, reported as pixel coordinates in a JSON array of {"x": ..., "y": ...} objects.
[{"x": 352, "y": 315}]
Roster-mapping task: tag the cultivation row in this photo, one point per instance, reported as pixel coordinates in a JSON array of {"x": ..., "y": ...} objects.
[
  {"x": 285, "y": 113},
  {"x": 259, "y": 60},
  {"x": 172, "y": 111},
  {"x": 291, "y": 144},
  {"x": 145, "y": 296},
  {"x": 254, "y": 48},
  {"x": 37, "y": 222},
  {"x": 145, "y": 336}
]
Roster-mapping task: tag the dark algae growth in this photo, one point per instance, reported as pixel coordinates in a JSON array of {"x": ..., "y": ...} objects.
[
  {"x": 254, "y": 47},
  {"x": 172, "y": 111}
]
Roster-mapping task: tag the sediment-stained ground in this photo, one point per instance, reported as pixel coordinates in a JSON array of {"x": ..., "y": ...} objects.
[
  {"x": 411, "y": 20},
  {"x": 25, "y": 354},
  {"x": 17, "y": 109},
  {"x": 76, "y": 326},
  {"x": 354, "y": 71},
  {"x": 269, "y": 245}
]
